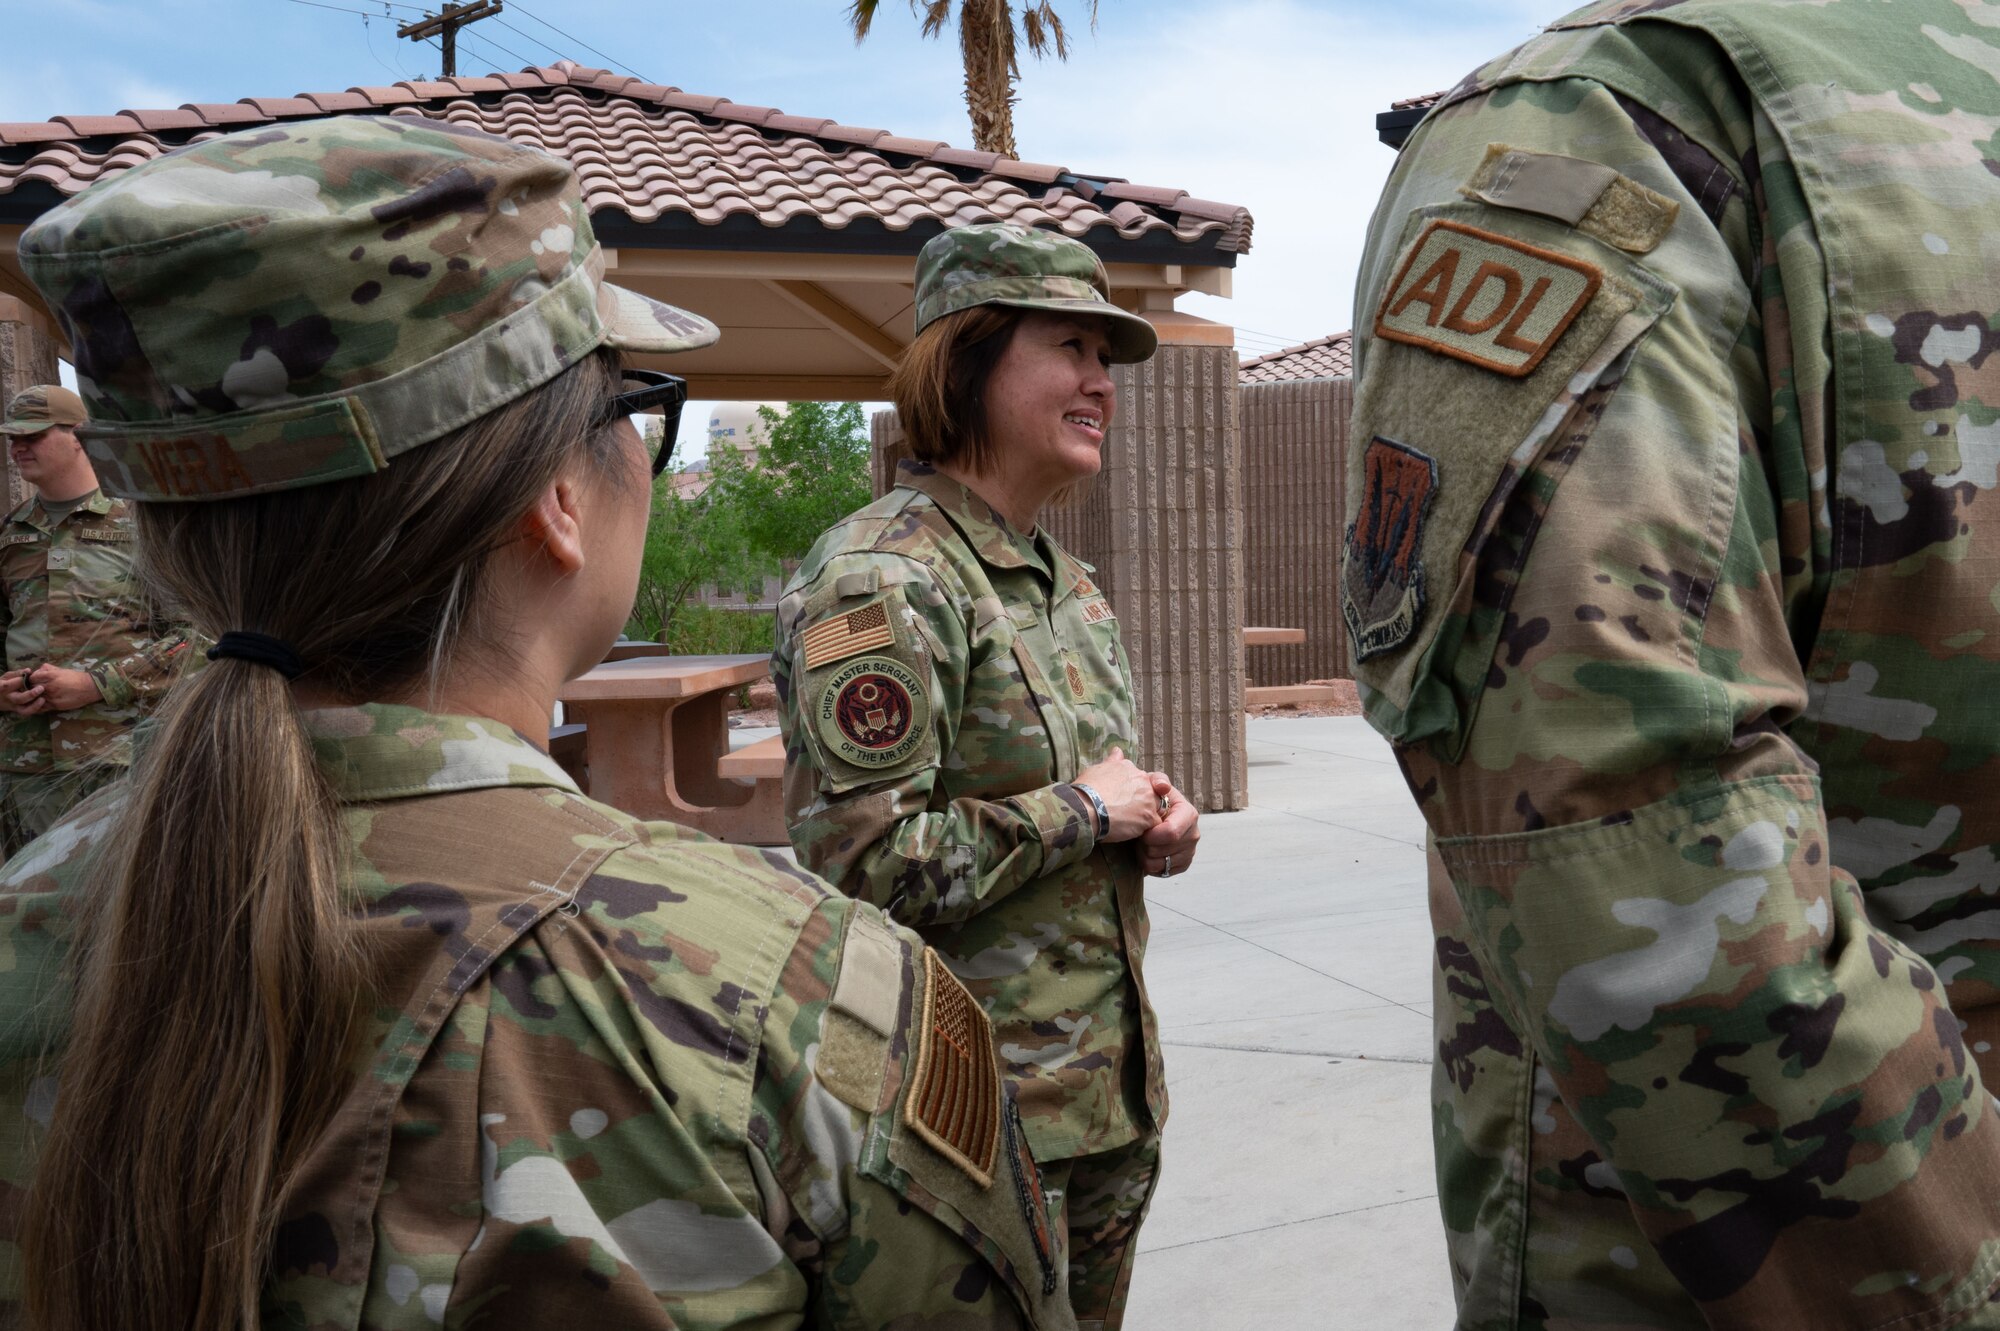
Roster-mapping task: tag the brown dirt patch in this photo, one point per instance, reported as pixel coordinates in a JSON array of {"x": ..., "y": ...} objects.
[{"x": 1344, "y": 703}]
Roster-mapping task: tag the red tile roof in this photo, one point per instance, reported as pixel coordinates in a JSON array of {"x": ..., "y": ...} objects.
[
  {"x": 660, "y": 155},
  {"x": 1322, "y": 358}
]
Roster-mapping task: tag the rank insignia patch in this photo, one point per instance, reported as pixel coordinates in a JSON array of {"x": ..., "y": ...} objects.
[
  {"x": 873, "y": 712},
  {"x": 1382, "y": 577},
  {"x": 845, "y": 635},
  {"x": 1485, "y": 298},
  {"x": 954, "y": 1098}
]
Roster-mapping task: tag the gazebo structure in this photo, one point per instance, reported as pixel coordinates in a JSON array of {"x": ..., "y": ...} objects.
[{"x": 797, "y": 236}]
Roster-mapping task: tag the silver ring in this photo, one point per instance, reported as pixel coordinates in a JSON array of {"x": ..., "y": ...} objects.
[{"x": 1170, "y": 868}]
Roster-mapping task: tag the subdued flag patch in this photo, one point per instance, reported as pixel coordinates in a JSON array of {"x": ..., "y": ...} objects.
[
  {"x": 1485, "y": 298},
  {"x": 954, "y": 1097},
  {"x": 843, "y": 635}
]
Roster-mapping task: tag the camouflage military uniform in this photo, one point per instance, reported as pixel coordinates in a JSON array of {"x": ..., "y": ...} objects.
[
  {"x": 941, "y": 679},
  {"x": 72, "y": 600},
  {"x": 618, "y": 1074},
  {"x": 1672, "y": 574}
]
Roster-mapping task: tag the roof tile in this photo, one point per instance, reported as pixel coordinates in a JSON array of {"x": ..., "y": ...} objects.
[
  {"x": 1151, "y": 195},
  {"x": 226, "y": 113},
  {"x": 967, "y": 157},
  {"x": 85, "y": 127},
  {"x": 385, "y": 96},
  {"x": 687, "y": 101},
  {"x": 273, "y": 108},
  {"x": 33, "y": 131},
  {"x": 1322, "y": 358},
  {"x": 647, "y": 151},
  {"x": 331, "y": 102},
  {"x": 152, "y": 121},
  {"x": 896, "y": 143},
  {"x": 1039, "y": 172}
]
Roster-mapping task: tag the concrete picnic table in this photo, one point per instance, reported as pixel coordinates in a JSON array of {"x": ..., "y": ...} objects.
[{"x": 655, "y": 728}]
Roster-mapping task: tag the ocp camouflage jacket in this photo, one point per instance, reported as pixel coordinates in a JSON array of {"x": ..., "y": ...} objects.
[
  {"x": 618, "y": 1074},
  {"x": 960, "y": 820},
  {"x": 1674, "y": 569},
  {"x": 72, "y": 600}
]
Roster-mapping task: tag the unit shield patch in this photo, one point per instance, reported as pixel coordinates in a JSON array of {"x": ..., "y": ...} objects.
[
  {"x": 1485, "y": 298},
  {"x": 1382, "y": 578},
  {"x": 873, "y": 712}
]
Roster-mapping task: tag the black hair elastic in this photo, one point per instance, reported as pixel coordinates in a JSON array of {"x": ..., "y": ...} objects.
[{"x": 259, "y": 649}]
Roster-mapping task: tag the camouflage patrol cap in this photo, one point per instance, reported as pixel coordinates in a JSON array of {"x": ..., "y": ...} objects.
[
  {"x": 302, "y": 302},
  {"x": 1002, "y": 263},
  {"x": 34, "y": 410}
]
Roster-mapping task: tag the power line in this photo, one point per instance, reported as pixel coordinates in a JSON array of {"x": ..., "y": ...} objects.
[{"x": 521, "y": 8}]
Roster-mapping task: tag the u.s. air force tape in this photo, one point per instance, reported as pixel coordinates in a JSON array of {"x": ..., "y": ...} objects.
[{"x": 873, "y": 712}]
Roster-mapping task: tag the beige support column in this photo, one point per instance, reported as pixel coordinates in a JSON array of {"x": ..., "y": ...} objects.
[
  {"x": 1163, "y": 524},
  {"x": 27, "y": 357}
]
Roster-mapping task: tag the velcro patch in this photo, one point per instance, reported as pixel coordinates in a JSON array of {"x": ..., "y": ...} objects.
[
  {"x": 873, "y": 712},
  {"x": 954, "y": 1100},
  {"x": 1096, "y": 611},
  {"x": 848, "y": 634},
  {"x": 1076, "y": 687},
  {"x": 1485, "y": 298},
  {"x": 1382, "y": 577}
]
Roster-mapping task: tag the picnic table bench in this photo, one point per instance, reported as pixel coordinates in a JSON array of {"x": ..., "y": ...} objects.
[
  {"x": 1275, "y": 694},
  {"x": 657, "y": 734}
]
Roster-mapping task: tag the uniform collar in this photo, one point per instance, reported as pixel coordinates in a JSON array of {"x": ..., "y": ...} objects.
[
  {"x": 378, "y": 751},
  {"x": 31, "y": 511},
  {"x": 986, "y": 531}
]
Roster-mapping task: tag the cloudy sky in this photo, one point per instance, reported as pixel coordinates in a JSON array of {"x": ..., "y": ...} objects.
[{"x": 1266, "y": 103}]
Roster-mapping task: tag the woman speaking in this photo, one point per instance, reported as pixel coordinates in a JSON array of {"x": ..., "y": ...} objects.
[{"x": 957, "y": 710}]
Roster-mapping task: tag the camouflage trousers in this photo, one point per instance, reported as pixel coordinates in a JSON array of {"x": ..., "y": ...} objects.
[
  {"x": 1096, "y": 1205},
  {"x": 32, "y": 802}
]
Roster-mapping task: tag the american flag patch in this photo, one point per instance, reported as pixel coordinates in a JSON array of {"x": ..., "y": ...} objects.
[
  {"x": 842, "y": 636},
  {"x": 954, "y": 1100}
]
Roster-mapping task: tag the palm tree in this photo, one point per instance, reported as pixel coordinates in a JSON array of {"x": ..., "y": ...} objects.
[{"x": 986, "y": 41}]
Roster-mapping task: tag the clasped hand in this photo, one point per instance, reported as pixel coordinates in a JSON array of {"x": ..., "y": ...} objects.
[
  {"x": 46, "y": 688},
  {"x": 1147, "y": 807}
]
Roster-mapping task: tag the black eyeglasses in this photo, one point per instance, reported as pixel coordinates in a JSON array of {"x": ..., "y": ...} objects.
[{"x": 655, "y": 391}]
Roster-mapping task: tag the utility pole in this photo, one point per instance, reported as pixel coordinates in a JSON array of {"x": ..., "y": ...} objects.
[{"x": 446, "y": 25}]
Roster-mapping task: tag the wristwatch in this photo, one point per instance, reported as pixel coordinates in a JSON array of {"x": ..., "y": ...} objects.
[{"x": 1096, "y": 804}]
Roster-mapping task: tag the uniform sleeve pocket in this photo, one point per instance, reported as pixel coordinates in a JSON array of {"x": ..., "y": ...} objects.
[{"x": 1492, "y": 340}]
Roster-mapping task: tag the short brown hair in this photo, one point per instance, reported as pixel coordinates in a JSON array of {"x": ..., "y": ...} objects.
[{"x": 939, "y": 387}]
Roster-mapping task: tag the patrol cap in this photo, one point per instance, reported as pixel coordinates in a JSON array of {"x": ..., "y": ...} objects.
[
  {"x": 302, "y": 302},
  {"x": 34, "y": 410},
  {"x": 1003, "y": 263}
]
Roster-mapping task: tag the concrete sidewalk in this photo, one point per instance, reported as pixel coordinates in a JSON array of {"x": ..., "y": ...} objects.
[{"x": 1291, "y": 971}]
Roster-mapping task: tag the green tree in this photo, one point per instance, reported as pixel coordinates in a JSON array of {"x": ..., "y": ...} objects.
[
  {"x": 986, "y": 43},
  {"x": 690, "y": 540},
  {"x": 811, "y": 471}
]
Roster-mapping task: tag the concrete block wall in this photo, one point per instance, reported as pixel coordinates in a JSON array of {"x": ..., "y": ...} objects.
[
  {"x": 1294, "y": 476},
  {"x": 1164, "y": 526},
  {"x": 27, "y": 358}
]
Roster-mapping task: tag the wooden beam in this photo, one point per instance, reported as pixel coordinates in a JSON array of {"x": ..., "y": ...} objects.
[
  {"x": 786, "y": 388},
  {"x": 841, "y": 318},
  {"x": 634, "y": 263}
]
